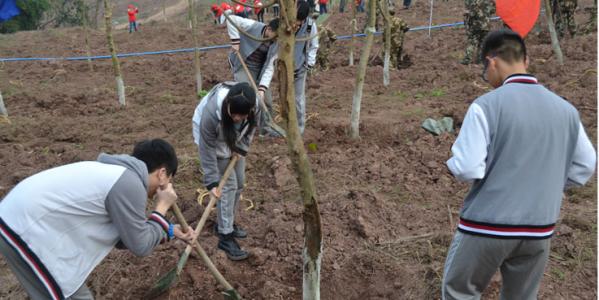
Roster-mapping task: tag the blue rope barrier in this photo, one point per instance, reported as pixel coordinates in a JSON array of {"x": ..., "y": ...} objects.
[{"x": 202, "y": 49}]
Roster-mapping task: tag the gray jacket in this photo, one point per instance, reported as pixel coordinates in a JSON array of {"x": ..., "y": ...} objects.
[
  {"x": 209, "y": 136},
  {"x": 126, "y": 204},
  {"x": 526, "y": 139},
  {"x": 248, "y": 46}
]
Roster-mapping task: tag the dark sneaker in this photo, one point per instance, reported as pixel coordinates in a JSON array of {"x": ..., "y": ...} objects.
[{"x": 227, "y": 243}]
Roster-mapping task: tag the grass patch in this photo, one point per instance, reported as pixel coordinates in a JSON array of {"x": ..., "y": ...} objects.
[{"x": 437, "y": 92}]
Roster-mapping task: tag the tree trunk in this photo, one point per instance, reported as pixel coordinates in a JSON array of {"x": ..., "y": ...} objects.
[
  {"x": 96, "y": 12},
  {"x": 312, "y": 252},
  {"x": 86, "y": 36},
  {"x": 387, "y": 31},
  {"x": 554, "y": 41},
  {"x": 196, "y": 56},
  {"x": 354, "y": 129},
  {"x": 354, "y": 25},
  {"x": 3, "y": 112},
  {"x": 164, "y": 10},
  {"x": 115, "y": 61}
]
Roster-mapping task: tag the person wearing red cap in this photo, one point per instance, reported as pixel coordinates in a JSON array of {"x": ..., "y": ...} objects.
[
  {"x": 132, "y": 12},
  {"x": 239, "y": 10},
  {"x": 218, "y": 13}
]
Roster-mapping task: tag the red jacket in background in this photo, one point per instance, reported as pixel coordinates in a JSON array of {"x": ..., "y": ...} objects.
[
  {"x": 239, "y": 9},
  {"x": 132, "y": 12},
  {"x": 218, "y": 11},
  {"x": 323, "y": 2},
  {"x": 256, "y": 3}
]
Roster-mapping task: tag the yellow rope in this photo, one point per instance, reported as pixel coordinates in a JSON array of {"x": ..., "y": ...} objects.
[
  {"x": 202, "y": 193},
  {"x": 248, "y": 200},
  {"x": 4, "y": 119}
]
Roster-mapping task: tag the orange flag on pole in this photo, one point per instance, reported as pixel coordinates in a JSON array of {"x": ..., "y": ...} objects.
[{"x": 519, "y": 15}]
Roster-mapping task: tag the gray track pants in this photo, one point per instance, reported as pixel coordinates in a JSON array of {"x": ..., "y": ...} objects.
[
  {"x": 300, "y": 98},
  {"x": 34, "y": 288},
  {"x": 229, "y": 200},
  {"x": 472, "y": 261}
]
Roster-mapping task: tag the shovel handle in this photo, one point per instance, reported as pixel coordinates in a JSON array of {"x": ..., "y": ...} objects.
[{"x": 184, "y": 226}]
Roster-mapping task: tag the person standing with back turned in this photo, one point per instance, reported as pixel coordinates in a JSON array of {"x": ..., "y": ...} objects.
[{"x": 520, "y": 146}]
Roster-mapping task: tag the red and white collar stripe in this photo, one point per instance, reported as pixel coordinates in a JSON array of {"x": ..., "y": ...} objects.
[
  {"x": 521, "y": 79},
  {"x": 506, "y": 231}
]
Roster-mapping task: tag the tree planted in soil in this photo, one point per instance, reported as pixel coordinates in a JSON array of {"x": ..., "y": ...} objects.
[
  {"x": 312, "y": 252},
  {"x": 96, "y": 12},
  {"x": 354, "y": 128},
  {"x": 120, "y": 85},
  {"x": 3, "y": 112},
  {"x": 387, "y": 23},
  {"x": 554, "y": 40},
  {"x": 354, "y": 25},
  {"x": 86, "y": 37},
  {"x": 193, "y": 24}
]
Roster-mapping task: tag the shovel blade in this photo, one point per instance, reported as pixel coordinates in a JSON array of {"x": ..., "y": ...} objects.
[{"x": 163, "y": 284}]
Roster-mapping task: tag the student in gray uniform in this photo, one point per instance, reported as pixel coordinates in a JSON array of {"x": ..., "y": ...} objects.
[
  {"x": 520, "y": 146},
  {"x": 258, "y": 56},
  {"x": 223, "y": 124},
  {"x": 57, "y": 225},
  {"x": 304, "y": 58}
]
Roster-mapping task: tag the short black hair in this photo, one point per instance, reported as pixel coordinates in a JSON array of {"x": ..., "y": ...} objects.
[
  {"x": 505, "y": 44},
  {"x": 303, "y": 10},
  {"x": 157, "y": 153},
  {"x": 274, "y": 24}
]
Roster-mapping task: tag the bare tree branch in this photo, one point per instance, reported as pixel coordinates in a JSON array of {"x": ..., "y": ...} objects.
[
  {"x": 267, "y": 4},
  {"x": 255, "y": 38}
]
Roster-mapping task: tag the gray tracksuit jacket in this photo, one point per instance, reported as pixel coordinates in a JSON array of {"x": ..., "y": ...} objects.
[
  {"x": 248, "y": 46},
  {"x": 208, "y": 132},
  {"x": 65, "y": 220},
  {"x": 520, "y": 145}
]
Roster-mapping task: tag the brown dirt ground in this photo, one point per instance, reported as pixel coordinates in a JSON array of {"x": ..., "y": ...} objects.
[{"x": 390, "y": 184}]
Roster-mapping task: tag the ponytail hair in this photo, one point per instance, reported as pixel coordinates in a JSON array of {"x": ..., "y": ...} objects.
[{"x": 241, "y": 100}]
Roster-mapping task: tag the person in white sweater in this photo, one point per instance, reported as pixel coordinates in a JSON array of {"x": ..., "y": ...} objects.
[{"x": 58, "y": 225}]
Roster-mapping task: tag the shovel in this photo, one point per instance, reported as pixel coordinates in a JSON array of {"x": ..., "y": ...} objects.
[
  {"x": 268, "y": 120},
  {"x": 165, "y": 282}
]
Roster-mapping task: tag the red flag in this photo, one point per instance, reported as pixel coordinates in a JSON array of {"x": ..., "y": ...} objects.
[{"x": 519, "y": 15}]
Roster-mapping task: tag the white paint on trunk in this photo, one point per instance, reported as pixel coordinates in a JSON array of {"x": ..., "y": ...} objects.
[
  {"x": 198, "y": 81},
  {"x": 386, "y": 68},
  {"x": 430, "y": 19},
  {"x": 120, "y": 87},
  {"x": 3, "y": 111},
  {"x": 311, "y": 280}
]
